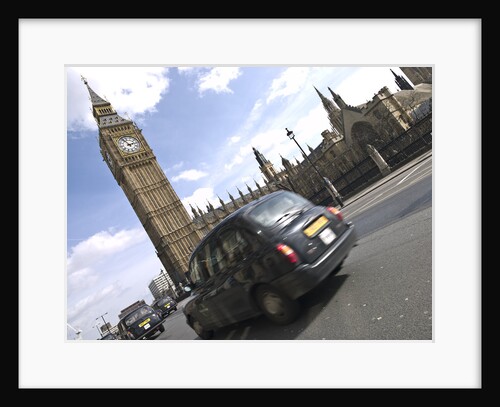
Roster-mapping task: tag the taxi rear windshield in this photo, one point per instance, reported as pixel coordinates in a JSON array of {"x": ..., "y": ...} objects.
[
  {"x": 137, "y": 315},
  {"x": 163, "y": 301},
  {"x": 274, "y": 209}
]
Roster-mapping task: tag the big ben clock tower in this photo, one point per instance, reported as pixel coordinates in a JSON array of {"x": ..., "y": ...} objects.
[{"x": 134, "y": 166}]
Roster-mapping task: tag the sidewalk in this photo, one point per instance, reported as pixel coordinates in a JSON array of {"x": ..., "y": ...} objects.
[{"x": 387, "y": 178}]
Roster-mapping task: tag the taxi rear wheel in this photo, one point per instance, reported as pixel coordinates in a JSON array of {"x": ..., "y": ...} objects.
[
  {"x": 162, "y": 328},
  {"x": 276, "y": 306}
]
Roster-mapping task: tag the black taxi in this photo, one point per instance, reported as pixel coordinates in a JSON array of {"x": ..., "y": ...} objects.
[
  {"x": 261, "y": 258},
  {"x": 165, "y": 306},
  {"x": 141, "y": 323}
]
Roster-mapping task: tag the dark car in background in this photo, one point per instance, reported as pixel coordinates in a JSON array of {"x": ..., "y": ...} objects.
[
  {"x": 165, "y": 306},
  {"x": 141, "y": 323},
  {"x": 261, "y": 258}
]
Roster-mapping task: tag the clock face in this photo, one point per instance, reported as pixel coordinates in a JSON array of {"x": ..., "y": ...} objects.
[{"x": 129, "y": 144}]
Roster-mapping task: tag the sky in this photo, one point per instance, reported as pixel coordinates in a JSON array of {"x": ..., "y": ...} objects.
[{"x": 201, "y": 122}]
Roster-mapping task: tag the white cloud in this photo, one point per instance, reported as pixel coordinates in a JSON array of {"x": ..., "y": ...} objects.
[
  {"x": 190, "y": 175},
  {"x": 199, "y": 198},
  {"x": 234, "y": 139},
  {"x": 94, "y": 299},
  {"x": 291, "y": 81},
  {"x": 175, "y": 167},
  {"x": 97, "y": 247},
  {"x": 308, "y": 127},
  {"x": 363, "y": 84},
  {"x": 82, "y": 279},
  {"x": 145, "y": 88},
  {"x": 254, "y": 116},
  {"x": 273, "y": 141},
  {"x": 237, "y": 159},
  {"x": 256, "y": 109},
  {"x": 217, "y": 79},
  {"x": 82, "y": 315}
]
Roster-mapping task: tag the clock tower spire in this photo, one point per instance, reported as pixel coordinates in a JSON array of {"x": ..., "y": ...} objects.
[{"x": 136, "y": 170}]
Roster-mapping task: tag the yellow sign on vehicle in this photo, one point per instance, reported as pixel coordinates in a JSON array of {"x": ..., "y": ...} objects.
[
  {"x": 167, "y": 305},
  {"x": 315, "y": 226},
  {"x": 144, "y": 322}
]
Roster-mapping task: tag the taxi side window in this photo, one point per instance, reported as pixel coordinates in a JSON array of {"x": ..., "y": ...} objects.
[
  {"x": 254, "y": 240},
  {"x": 212, "y": 257},
  {"x": 196, "y": 272},
  {"x": 234, "y": 246}
]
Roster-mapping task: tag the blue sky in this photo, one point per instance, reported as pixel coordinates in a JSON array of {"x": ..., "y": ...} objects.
[{"x": 201, "y": 123}]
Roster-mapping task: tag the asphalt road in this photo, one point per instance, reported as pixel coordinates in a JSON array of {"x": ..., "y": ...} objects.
[{"x": 384, "y": 289}]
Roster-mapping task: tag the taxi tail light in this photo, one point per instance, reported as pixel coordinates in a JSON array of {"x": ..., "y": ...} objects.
[
  {"x": 289, "y": 253},
  {"x": 336, "y": 212}
]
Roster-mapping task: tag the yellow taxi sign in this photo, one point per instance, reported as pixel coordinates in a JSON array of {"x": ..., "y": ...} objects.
[
  {"x": 315, "y": 226},
  {"x": 144, "y": 322}
]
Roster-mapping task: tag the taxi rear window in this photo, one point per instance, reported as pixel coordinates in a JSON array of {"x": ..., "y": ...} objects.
[
  {"x": 137, "y": 315},
  {"x": 274, "y": 209}
]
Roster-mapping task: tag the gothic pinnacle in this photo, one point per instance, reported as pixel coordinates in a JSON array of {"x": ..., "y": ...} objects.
[
  {"x": 258, "y": 187},
  {"x": 193, "y": 210}
]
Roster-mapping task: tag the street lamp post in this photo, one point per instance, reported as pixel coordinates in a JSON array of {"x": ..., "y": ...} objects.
[
  {"x": 98, "y": 330},
  {"x": 172, "y": 287},
  {"x": 105, "y": 324},
  {"x": 336, "y": 197}
]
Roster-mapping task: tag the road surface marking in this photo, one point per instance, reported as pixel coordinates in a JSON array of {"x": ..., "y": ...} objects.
[
  {"x": 423, "y": 175},
  {"x": 389, "y": 188},
  {"x": 388, "y": 196},
  {"x": 418, "y": 166},
  {"x": 368, "y": 204},
  {"x": 365, "y": 204}
]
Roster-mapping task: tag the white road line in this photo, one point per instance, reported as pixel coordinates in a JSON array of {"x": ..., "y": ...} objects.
[
  {"x": 245, "y": 332},
  {"x": 426, "y": 171},
  {"x": 423, "y": 175},
  {"x": 367, "y": 203},
  {"x": 394, "y": 193},
  {"x": 411, "y": 173}
]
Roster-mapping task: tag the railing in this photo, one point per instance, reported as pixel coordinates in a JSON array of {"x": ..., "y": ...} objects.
[{"x": 408, "y": 145}]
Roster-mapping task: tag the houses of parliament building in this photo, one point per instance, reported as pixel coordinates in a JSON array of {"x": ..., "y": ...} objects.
[
  {"x": 355, "y": 135},
  {"x": 363, "y": 143}
]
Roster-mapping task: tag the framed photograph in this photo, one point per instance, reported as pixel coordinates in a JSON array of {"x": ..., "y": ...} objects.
[{"x": 135, "y": 154}]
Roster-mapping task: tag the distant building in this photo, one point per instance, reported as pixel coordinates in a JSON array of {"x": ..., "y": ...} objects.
[
  {"x": 105, "y": 328},
  {"x": 161, "y": 285},
  {"x": 418, "y": 75},
  {"x": 348, "y": 154}
]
